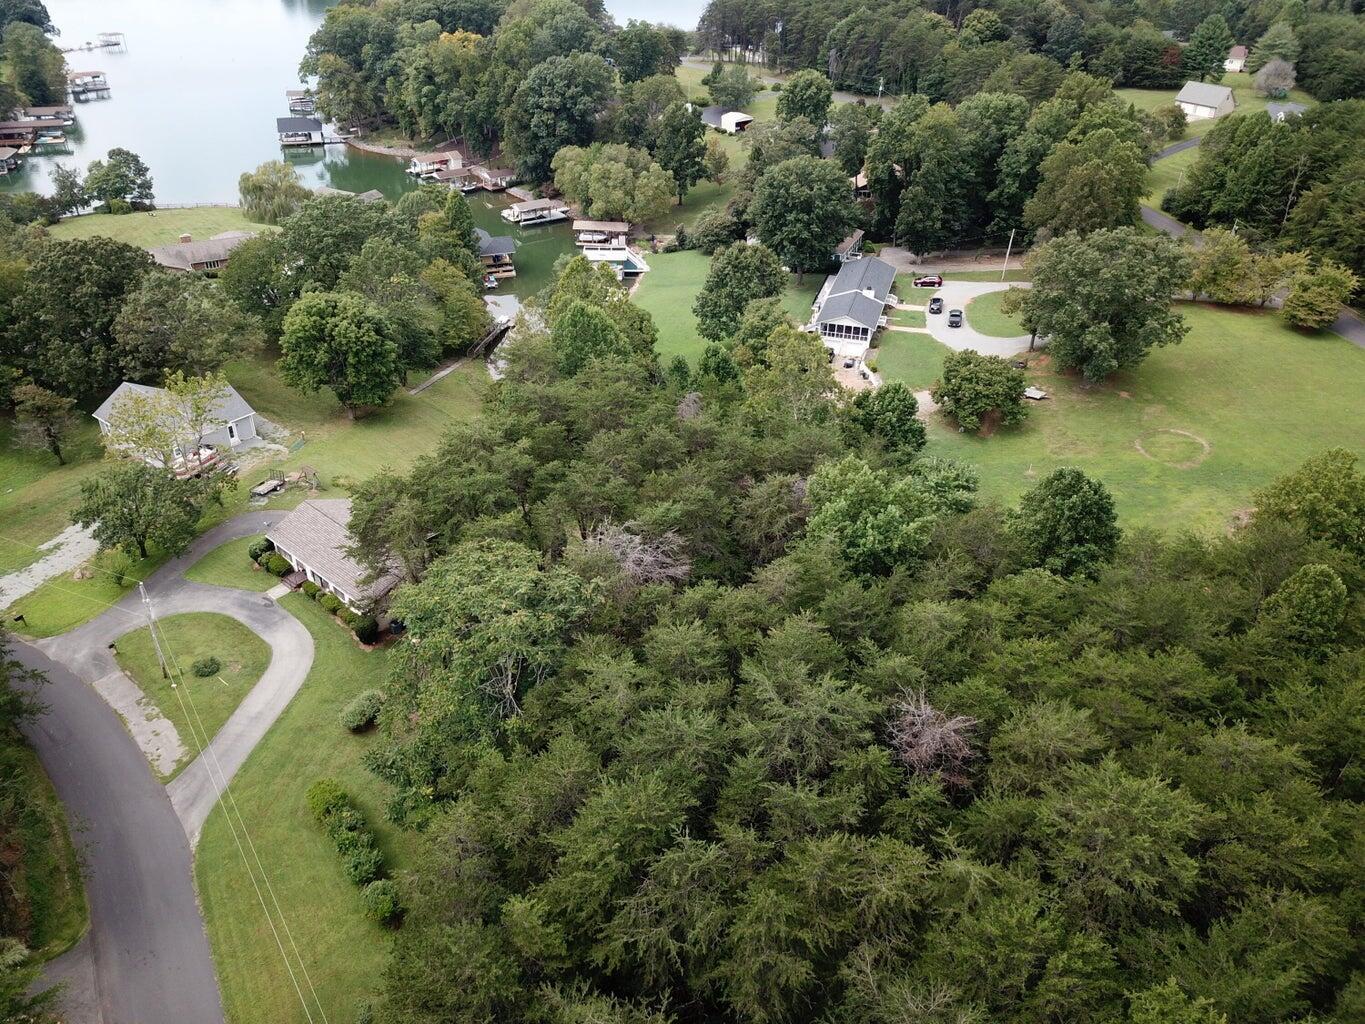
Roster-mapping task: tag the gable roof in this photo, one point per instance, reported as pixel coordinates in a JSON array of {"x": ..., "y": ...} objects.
[
  {"x": 1204, "y": 94},
  {"x": 1279, "y": 111},
  {"x": 184, "y": 255},
  {"x": 232, "y": 407},
  {"x": 1237, "y": 53},
  {"x": 494, "y": 245},
  {"x": 317, "y": 532},
  {"x": 861, "y": 275},
  {"x": 855, "y": 306},
  {"x": 290, "y": 125}
]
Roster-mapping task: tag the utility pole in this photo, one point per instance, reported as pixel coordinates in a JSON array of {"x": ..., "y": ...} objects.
[
  {"x": 151, "y": 628},
  {"x": 1008, "y": 249}
]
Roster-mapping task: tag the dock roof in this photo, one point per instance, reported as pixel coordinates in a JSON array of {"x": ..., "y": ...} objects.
[
  {"x": 6, "y": 153},
  {"x": 297, "y": 125},
  {"x": 494, "y": 245},
  {"x": 616, "y": 227}
]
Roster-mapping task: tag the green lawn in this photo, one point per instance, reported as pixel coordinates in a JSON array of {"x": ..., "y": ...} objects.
[
  {"x": 1262, "y": 396},
  {"x": 989, "y": 275},
  {"x": 984, "y": 314},
  {"x": 188, "y": 638},
  {"x": 45, "y": 872},
  {"x": 915, "y": 360},
  {"x": 1166, "y": 174},
  {"x": 229, "y": 565},
  {"x": 36, "y": 494},
  {"x": 908, "y": 293},
  {"x": 907, "y": 317},
  {"x": 157, "y": 227},
  {"x": 343, "y": 952},
  {"x": 669, "y": 289}
]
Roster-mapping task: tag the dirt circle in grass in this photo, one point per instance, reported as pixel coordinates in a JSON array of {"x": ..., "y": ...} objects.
[{"x": 1178, "y": 449}]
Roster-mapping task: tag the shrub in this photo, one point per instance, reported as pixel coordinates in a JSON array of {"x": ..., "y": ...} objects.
[
  {"x": 330, "y": 602},
  {"x": 206, "y": 667},
  {"x": 362, "y": 712},
  {"x": 118, "y": 564},
  {"x": 260, "y": 547},
  {"x": 326, "y": 798},
  {"x": 347, "y": 616},
  {"x": 364, "y": 865},
  {"x": 367, "y": 629},
  {"x": 277, "y": 564},
  {"x": 310, "y": 589},
  {"x": 381, "y": 900},
  {"x": 120, "y": 206}
]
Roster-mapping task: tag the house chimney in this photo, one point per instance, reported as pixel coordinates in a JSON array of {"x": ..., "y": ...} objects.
[{"x": 187, "y": 237}]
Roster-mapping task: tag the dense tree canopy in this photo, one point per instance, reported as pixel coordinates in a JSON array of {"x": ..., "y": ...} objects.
[{"x": 727, "y": 704}]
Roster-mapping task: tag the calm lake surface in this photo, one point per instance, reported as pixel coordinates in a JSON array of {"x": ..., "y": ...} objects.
[{"x": 198, "y": 90}]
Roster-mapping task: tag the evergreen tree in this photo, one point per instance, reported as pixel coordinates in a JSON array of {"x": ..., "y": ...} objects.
[{"x": 1207, "y": 49}]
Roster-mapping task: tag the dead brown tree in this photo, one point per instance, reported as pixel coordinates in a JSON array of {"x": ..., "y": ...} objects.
[{"x": 928, "y": 742}]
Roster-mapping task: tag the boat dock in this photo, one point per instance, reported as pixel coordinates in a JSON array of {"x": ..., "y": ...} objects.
[
  {"x": 114, "y": 42},
  {"x": 86, "y": 85}
]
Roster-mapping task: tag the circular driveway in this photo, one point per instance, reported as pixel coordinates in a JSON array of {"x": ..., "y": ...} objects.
[{"x": 957, "y": 295}]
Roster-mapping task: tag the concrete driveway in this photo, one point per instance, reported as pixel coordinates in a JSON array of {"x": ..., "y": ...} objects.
[
  {"x": 147, "y": 959},
  {"x": 956, "y": 295}
]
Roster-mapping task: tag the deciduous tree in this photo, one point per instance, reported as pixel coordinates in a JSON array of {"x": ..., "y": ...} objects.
[
  {"x": 43, "y": 418},
  {"x": 122, "y": 176},
  {"x": 1067, "y": 523},
  {"x": 974, "y": 388},
  {"x": 802, "y": 208},
  {"x": 133, "y": 505},
  {"x": 271, "y": 192},
  {"x": 182, "y": 322},
  {"x": 738, "y": 275},
  {"x": 1315, "y": 298},
  {"x": 680, "y": 147},
  {"x": 805, "y": 94},
  {"x": 342, "y": 342},
  {"x": 1104, "y": 300}
]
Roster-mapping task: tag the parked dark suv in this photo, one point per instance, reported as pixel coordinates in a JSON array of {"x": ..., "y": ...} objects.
[
  {"x": 931, "y": 281},
  {"x": 954, "y": 318},
  {"x": 935, "y": 305}
]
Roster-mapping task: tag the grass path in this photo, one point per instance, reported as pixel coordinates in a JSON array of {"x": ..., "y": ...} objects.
[
  {"x": 985, "y": 315},
  {"x": 230, "y": 565},
  {"x": 344, "y": 952},
  {"x": 36, "y": 493},
  {"x": 1262, "y": 397},
  {"x": 243, "y": 657}
]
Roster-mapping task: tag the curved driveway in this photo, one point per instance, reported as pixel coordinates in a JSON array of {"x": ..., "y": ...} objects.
[
  {"x": 147, "y": 959},
  {"x": 956, "y": 295}
]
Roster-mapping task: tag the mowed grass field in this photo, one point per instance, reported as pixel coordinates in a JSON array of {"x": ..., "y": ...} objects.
[
  {"x": 668, "y": 291},
  {"x": 37, "y": 494},
  {"x": 985, "y": 315},
  {"x": 915, "y": 360},
  {"x": 157, "y": 227},
  {"x": 1166, "y": 174},
  {"x": 1184, "y": 440},
  {"x": 344, "y": 953},
  {"x": 209, "y": 701},
  {"x": 230, "y": 565}
]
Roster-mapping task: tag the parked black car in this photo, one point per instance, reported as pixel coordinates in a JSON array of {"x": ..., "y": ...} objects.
[
  {"x": 935, "y": 305},
  {"x": 954, "y": 318}
]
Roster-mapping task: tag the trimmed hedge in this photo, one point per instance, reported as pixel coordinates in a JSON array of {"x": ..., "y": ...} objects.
[
  {"x": 362, "y": 712},
  {"x": 333, "y": 809},
  {"x": 367, "y": 630},
  {"x": 310, "y": 589},
  {"x": 277, "y": 564},
  {"x": 330, "y": 602},
  {"x": 206, "y": 667},
  {"x": 260, "y": 548}
]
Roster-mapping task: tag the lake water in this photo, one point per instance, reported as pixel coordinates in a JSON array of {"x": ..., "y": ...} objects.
[{"x": 199, "y": 87}]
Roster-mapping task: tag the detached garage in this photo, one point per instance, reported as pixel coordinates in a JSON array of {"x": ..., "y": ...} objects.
[{"x": 1203, "y": 100}]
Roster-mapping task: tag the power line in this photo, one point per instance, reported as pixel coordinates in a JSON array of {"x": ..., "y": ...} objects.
[{"x": 222, "y": 786}]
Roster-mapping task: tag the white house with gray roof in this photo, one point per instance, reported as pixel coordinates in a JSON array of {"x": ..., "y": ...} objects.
[
  {"x": 233, "y": 425},
  {"x": 314, "y": 538},
  {"x": 851, "y": 306},
  {"x": 1202, "y": 100}
]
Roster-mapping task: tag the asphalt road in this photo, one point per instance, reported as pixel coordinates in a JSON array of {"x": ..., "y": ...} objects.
[{"x": 146, "y": 957}]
